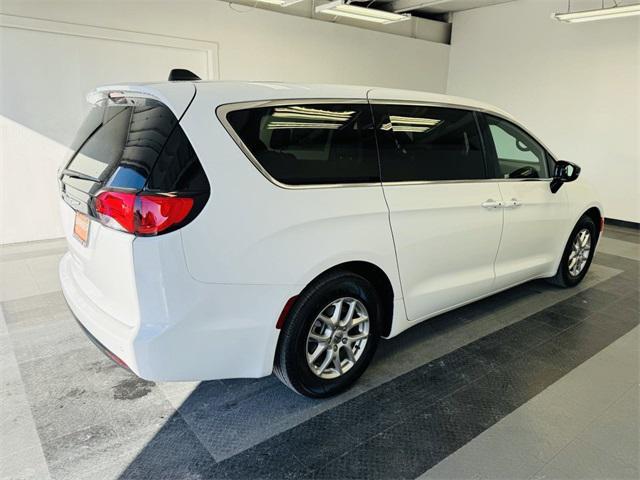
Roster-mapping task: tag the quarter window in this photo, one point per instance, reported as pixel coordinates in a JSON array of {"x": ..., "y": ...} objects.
[
  {"x": 311, "y": 143},
  {"x": 517, "y": 154},
  {"x": 419, "y": 143}
]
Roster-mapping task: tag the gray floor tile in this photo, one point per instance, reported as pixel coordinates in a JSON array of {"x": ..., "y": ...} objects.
[
  {"x": 162, "y": 456},
  {"x": 617, "y": 431},
  {"x": 16, "y": 281},
  {"x": 471, "y": 462},
  {"x": 50, "y": 339},
  {"x": 542, "y": 427},
  {"x": 582, "y": 461},
  {"x": 21, "y": 455},
  {"x": 585, "y": 407},
  {"x": 93, "y": 397},
  {"x": 27, "y": 464},
  {"x": 17, "y": 430},
  {"x": 99, "y": 454},
  {"x": 620, "y": 247}
]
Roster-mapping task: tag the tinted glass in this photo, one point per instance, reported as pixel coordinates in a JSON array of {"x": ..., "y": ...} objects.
[
  {"x": 149, "y": 127},
  {"x": 104, "y": 148},
  {"x": 311, "y": 144},
  {"x": 90, "y": 123},
  {"x": 178, "y": 167},
  {"x": 517, "y": 154},
  {"x": 139, "y": 146},
  {"x": 428, "y": 143}
]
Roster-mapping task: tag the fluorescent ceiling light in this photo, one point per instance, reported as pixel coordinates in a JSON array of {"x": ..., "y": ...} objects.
[
  {"x": 289, "y": 125},
  {"x": 405, "y": 128},
  {"x": 311, "y": 113},
  {"x": 409, "y": 124},
  {"x": 413, "y": 120},
  {"x": 281, "y": 3},
  {"x": 601, "y": 14},
  {"x": 315, "y": 111},
  {"x": 342, "y": 9},
  {"x": 309, "y": 116}
]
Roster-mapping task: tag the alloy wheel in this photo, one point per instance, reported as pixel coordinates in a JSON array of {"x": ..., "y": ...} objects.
[
  {"x": 337, "y": 338},
  {"x": 580, "y": 251}
]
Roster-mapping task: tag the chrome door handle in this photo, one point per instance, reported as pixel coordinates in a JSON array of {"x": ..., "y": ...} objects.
[
  {"x": 491, "y": 203},
  {"x": 513, "y": 203}
]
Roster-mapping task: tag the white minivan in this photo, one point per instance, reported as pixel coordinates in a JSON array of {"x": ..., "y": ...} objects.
[{"x": 235, "y": 229}]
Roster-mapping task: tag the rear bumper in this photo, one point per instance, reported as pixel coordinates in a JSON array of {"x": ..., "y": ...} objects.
[
  {"x": 109, "y": 354},
  {"x": 188, "y": 330},
  {"x": 110, "y": 334}
]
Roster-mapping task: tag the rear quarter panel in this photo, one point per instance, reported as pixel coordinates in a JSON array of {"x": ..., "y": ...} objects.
[{"x": 254, "y": 232}]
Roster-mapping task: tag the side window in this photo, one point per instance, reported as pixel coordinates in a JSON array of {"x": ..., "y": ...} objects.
[
  {"x": 309, "y": 144},
  {"x": 517, "y": 154},
  {"x": 419, "y": 143}
]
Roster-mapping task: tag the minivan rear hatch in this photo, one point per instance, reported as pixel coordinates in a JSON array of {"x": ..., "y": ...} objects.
[{"x": 130, "y": 147}]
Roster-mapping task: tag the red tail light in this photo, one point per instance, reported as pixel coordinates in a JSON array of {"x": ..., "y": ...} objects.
[
  {"x": 116, "y": 210},
  {"x": 141, "y": 214},
  {"x": 157, "y": 213}
]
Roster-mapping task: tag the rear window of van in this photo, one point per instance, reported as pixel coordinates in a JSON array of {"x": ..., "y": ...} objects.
[{"x": 307, "y": 144}]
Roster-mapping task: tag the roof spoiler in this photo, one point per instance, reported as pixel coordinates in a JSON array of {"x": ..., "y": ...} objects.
[{"x": 180, "y": 74}]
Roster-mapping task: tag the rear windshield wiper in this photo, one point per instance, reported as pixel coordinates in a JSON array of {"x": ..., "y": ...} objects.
[{"x": 81, "y": 176}]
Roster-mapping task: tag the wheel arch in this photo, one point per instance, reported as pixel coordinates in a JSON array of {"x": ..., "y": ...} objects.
[
  {"x": 378, "y": 278},
  {"x": 595, "y": 214},
  {"x": 593, "y": 211}
]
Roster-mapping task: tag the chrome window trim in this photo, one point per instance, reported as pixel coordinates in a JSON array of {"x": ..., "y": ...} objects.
[
  {"x": 223, "y": 109},
  {"x": 478, "y": 180}
]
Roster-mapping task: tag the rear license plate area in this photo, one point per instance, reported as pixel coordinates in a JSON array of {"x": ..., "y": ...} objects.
[{"x": 81, "y": 226}]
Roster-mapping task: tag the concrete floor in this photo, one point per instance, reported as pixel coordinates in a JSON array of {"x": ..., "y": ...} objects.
[{"x": 428, "y": 405}]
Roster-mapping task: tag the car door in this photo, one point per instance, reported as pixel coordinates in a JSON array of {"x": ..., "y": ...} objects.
[
  {"x": 443, "y": 212},
  {"x": 534, "y": 218}
]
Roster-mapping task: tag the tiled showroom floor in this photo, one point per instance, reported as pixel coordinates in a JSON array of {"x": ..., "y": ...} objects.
[{"x": 536, "y": 382}]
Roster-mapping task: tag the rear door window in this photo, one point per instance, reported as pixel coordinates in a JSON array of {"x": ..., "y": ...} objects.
[
  {"x": 422, "y": 143},
  {"x": 310, "y": 144}
]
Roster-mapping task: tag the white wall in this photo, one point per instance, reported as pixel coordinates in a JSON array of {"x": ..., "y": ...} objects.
[
  {"x": 44, "y": 76},
  {"x": 576, "y": 86}
]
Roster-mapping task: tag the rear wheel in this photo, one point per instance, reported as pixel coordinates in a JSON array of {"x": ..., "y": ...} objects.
[
  {"x": 330, "y": 335},
  {"x": 577, "y": 255}
]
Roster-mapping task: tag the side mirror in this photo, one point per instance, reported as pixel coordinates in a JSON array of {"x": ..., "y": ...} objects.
[{"x": 563, "y": 172}]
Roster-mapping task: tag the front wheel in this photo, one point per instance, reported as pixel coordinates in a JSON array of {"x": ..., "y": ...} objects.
[
  {"x": 330, "y": 335},
  {"x": 577, "y": 255}
]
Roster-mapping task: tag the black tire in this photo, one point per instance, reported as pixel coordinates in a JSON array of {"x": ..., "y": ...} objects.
[
  {"x": 291, "y": 365},
  {"x": 563, "y": 278}
]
